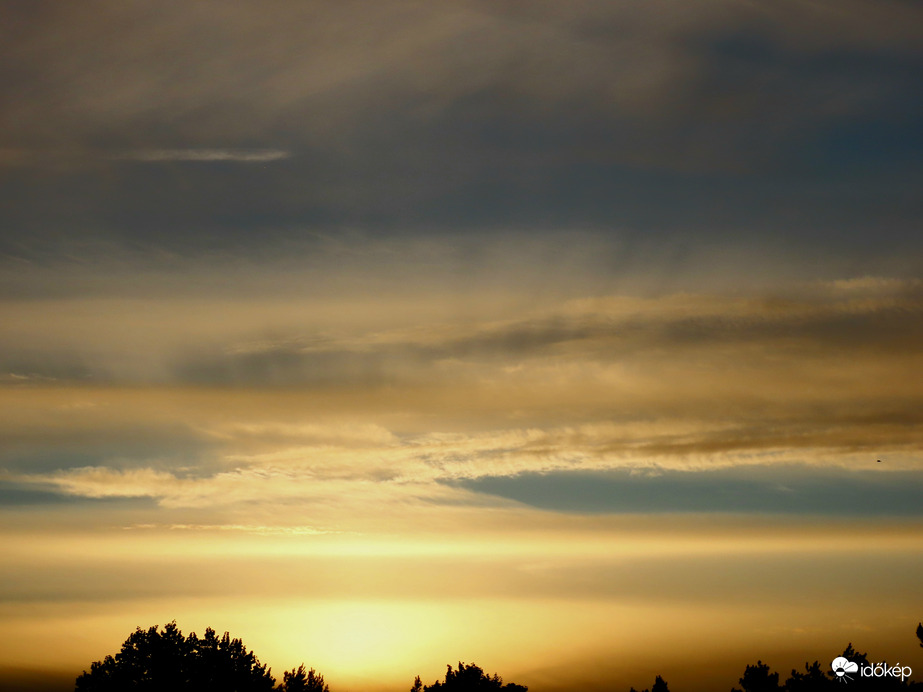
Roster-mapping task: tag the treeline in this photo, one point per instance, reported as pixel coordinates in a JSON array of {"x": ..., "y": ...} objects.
[
  {"x": 164, "y": 660},
  {"x": 156, "y": 659},
  {"x": 851, "y": 666}
]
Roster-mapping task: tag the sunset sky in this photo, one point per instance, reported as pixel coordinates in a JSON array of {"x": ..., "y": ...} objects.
[{"x": 559, "y": 337}]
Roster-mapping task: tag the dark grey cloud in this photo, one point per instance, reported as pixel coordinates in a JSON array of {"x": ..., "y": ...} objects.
[
  {"x": 284, "y": 367},
  {"x": 792, "y": 328},
  {"x": 815, "y": 331},
  {"x": 13, "y": 494},
  {"x": 772, "y": 489},
  {"x": 24, "y": 496},
  {"x": 43, "y": 447},
  {"x": 42, "y": 366},
  {"x": 760, "y": 331},
  {"x": 799, "y": 120}
]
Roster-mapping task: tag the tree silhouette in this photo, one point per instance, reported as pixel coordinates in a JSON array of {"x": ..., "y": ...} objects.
[
  {"x": 659, "y": 686},
  {"x": 300, "y": 680},
  {"x": 165, "y": 660},
  {"x": 854, "y": 656},
  {"x": 812, "y": 679},
  {"x": 468, "y": 678},
  {"x": 758, "y": 679}
]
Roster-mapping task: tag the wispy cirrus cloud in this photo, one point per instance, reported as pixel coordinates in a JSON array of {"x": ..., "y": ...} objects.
[{"x": 204, "y": 155}]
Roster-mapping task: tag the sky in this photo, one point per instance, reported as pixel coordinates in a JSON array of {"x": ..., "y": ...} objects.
[{"x": 577, "y": 340}]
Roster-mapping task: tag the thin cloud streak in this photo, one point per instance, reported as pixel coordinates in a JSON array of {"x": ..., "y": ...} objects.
[{"x": 205, "y": 155}]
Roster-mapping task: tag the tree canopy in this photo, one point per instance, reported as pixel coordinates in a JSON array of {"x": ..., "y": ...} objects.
[
  {"x": 660, "y": 685},
  {"x": 468, "y": 678},
  {"x": 758, "y": 679},
  {"x": 156, "y": 659},
  {"x": 300, "y": 680}
]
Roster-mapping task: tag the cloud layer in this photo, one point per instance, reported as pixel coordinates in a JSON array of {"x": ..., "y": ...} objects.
[
  {"x": 726, "y": 120},
  {"x": 204, "y": 413}
]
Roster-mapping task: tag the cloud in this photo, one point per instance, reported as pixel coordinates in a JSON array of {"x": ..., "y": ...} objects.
[
  {"x": 326, "y": 433},
  {"x": 785, "y": 489},
  {"x": 330, "y": 502},
  {"x": 873, "y": 318},
  {"x": 812, "y": 373},
  {"x": 258, "y": 530},
  {"x": 645, "y": 118},
  {"x": 100, "y": 482},
  {"x": 205, "y": 155},
  {"x": 346, "y": 474}
]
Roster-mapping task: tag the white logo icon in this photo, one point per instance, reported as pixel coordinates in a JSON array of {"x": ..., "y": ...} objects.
[{"x": 841, "y": 667}]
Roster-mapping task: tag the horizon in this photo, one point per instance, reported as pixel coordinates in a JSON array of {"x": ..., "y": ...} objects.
[{"x": 578, "y": 342}]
